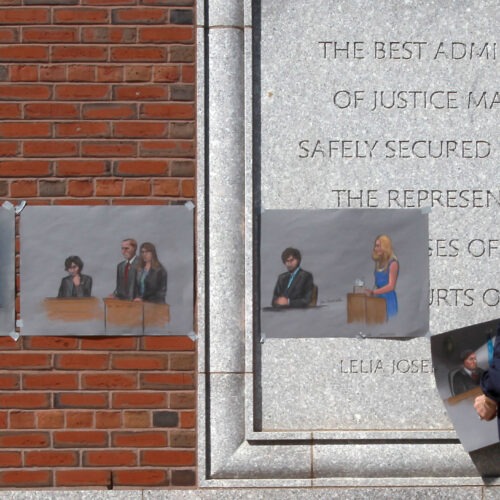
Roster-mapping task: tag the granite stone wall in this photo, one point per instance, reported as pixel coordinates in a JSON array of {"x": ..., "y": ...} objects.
[{"x": 97, "y": 107}]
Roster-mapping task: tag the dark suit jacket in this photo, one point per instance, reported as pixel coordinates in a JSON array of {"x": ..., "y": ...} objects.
[
  {"x": 490, "y": 381},
  {"x": 463, "y": 382},
  {"x": 155, "y": 285},
  {"x": 68, "y": 289},
  {"x": 300, "y": 291},
  {"x": 126, "y": 291}
]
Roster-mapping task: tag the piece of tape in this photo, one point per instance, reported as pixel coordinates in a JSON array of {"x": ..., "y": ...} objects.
[
  {"x": 7, "y": 205},
  {"x": 19, "y": 323},
  {"x": 189, "y": 205},
  {"x": 426, "y": 210},
  {"x": 193, "y": 336},
  {"x": 14, "y": 336},
  {"x": 262, "y": 337}
]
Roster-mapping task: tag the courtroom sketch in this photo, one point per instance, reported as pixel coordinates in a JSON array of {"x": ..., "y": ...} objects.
[
  {"x": 124, "y": 288},
  {"x": 7, "y": 269},
  {"x": 347, "y": 273},
  {"x": 463, "y": 359}
]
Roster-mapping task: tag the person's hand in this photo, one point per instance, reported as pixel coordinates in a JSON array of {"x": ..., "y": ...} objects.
[
  {"x": 368, "y": 292},
  {"x": 137, "y": 299},
  {"x": 485, "y": 407},
  {"x": 281, "y": 301}
]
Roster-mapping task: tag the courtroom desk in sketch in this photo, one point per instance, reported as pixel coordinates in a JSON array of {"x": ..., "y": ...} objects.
[
  {"x": 364, "y": 309},
  {"x": 72, "y": 309},
  {"x": 134, "y": 316}
]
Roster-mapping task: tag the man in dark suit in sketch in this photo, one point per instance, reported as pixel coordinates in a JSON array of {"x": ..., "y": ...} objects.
[
  {"x": 126, "y": 271},
  {"x": 294, "y": 288},
  {"x": 469, "y": 375}
]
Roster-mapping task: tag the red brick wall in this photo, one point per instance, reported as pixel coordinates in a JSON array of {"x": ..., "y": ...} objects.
[{"x": 97, "y": 106}]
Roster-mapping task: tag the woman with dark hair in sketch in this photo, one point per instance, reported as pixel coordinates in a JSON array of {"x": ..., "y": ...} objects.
[
  {"x": 76, "y": 285},
  {"x": 151, "y": 277},
  {"x": 386, "y": 273}
]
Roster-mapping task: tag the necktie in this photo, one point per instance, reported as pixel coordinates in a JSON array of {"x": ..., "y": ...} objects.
[{"x": 127, "y": 267}]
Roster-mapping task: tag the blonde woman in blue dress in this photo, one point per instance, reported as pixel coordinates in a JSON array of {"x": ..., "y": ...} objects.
[{"x": 386, "y": 273}]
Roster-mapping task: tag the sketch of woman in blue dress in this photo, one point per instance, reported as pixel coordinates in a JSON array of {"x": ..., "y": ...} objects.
[{"x": 386, "y": 273}]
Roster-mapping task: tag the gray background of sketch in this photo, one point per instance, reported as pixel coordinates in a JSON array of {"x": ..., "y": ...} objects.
[
  {"x": 472, "y": 432},
  {"x": 50, "y": 234},
  {"x": 7, "y": 271},
  {"x": 336, "y": 247}
]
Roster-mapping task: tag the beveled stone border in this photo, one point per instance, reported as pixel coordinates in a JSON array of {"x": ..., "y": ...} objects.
[{"x": 230, "y": 453}]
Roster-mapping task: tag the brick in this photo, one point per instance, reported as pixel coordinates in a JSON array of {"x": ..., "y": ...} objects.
[
  {"x": 24, "y": 439},
  {"x": 83, "y": 477},
  {"x": 9, "y": 381},
  {"x": 182, "y": 362},
  {"x": 169, "y": 2},
  {"x": 4, "y": 190},
  {"x": 80, "y": 16},
  {"x": 139, "y": 439},
  {"x": 76, "y": 53},
  {"x": 138, "y": 362},
  {"x": 81, "y": 73},
  {"x": 168, "y": 343},
  {"x": 79, "y": 419},
  {"x": 52, "y": 343},
  {"x": 23, "y": 73},
  {"x": 9, "y": 35},
  {"x": 109, "y": 458},
  {"x": 26, "y": 478},
  {"x": 188, "y": 74},
  {"x": 23, "y": 15},
  {"x": 183, "y": 477},
  {"x": 80, "y": 201},
  {"x": 182, "y": 92},
  {"x": 82, "y": 129},
  {"x": 109, "y": 149},
  {"x": 9, "y": 111},
  {"x": 166, "y": 73},
  {"x": 181, "y": 54},
  {"x": 50, "y": 148},
  {"x": 81, "y": 361},
  {"x": 188, "y": 188},
  {"x": 80, "y": 188},
  {"x": 181, "y": 168},
  {"x": 52, "y": 458},
  {"x": 81, "y": 400},
  {"x": 140, "y": 477},
  {"x": 109, "y": 187},
  {"x": 167, "y": 111},
  {"x": 8, "y": 148},
  {"x": 10, "y": 459},
  {"x": 51, "y": 381},
  {"x": 165, "y": 419},
  {"x": 109, "y": 343},
  {"x": 139, "y": 54},
  {"x": 83, "y": 439},
  {"x": 52, "y": 188},
  {"x": 50, "y": 110},
  {"x": 182, "y": 130},
  {"x": 49, "y": 35},
  {"x": 139, "y": 400},
  {"x": 108, "y": 419},
  {"x": 108, "y": 111},
  {"x": 138, "y": 73},
  {"x": 12, "y": 53},
  {"x": 165, "y": 34},
  {"x": 166, "y": 187},
  {"x": 140, "y": 167},
  {"x": 4, "y": 73},
  {"x": 76, "y": 92},
  {"x": 101, "y": 34},
  {"x": 110, "y": 73},
  {"x": 188, "y": 419},
  {"x": 182, "y": 400},
  {"x": 137, "y": 188},
  {"x": 21, "y": 420},
  {"x": 181, "y": 16},
  {"x": 24, "y": 130},
  {"x": 182, "y": 439},
  {"x": 139, "y": 16},
  {"x": 74, "y": 168},
  {"x": 51, "y": 2},
  {"x": 53, "y": 73},
  {"x": 140, "y": 129},
  {"x": 50, "y": 419},
  {"x": 9, "y": 343},
  {"x": 25, "y": 360},
  {"x": 167, "y": 458},
  {"x": 136, "y": 418},
  {"x": 166, "y": 148},
  {"x": 111, "y": 381},
  {"x": 140, "y": 92},
  {"x": 166, "y": 381},
  {"x": 3, "y": 419}
]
